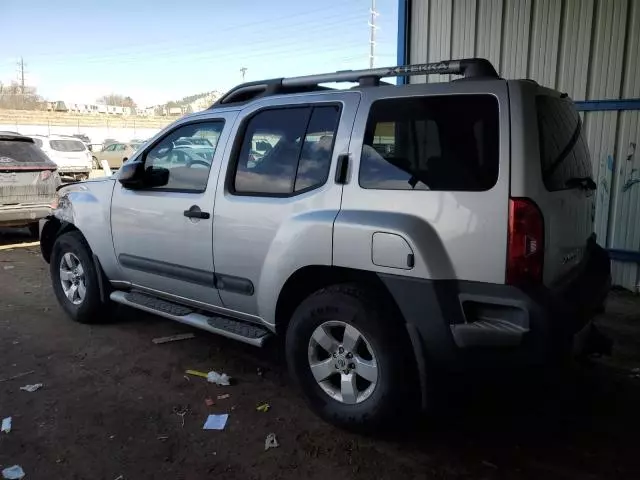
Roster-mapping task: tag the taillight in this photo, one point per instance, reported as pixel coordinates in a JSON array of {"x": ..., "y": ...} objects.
[
  {"x": 525, "y": 248},
  {"x": 45, "y": 174}
]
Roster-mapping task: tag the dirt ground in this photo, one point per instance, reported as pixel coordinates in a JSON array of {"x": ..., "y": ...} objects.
[{"x": 107, "y": 408}]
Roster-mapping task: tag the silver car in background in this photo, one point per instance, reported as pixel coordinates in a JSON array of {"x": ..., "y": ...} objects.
[{"x": 28, "y": 182}]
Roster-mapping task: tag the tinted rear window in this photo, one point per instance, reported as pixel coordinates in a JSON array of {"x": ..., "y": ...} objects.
[
  {"x": 15, "y": 151},
  {"x": 67, "y": 145},
  {"x": 431, "y": 143},
  {"x": 563, "y": 150}
]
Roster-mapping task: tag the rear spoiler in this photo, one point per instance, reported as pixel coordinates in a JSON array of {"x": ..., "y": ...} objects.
[{"x": 29, "y": 167}]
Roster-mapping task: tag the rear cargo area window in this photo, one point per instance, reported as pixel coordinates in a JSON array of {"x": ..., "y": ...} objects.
[
  {"x": 23, "y": 152},
  {"x": 67, "y": 145},
  {"x": 564, "y": 154},
  {"x": 431, "y": 143}
]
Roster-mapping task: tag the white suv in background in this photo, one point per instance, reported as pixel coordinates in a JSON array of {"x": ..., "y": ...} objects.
[{"x": 70, "y": 154}]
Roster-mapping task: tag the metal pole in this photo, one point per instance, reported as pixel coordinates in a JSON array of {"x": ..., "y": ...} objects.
[{"x": 372, "y": 34}]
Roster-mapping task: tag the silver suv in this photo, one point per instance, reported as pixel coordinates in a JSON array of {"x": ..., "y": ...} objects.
[{"x": 385, "y": 231}]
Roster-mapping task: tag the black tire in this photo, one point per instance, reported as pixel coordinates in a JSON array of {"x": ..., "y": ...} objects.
[
  {"x": 91, "y": 309},
  {"x": 34, "y": 230},
  {"x": 396, "y": 393}
]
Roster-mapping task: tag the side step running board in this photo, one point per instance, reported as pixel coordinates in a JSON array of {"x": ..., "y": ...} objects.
[{"x": 227, "y": 327}]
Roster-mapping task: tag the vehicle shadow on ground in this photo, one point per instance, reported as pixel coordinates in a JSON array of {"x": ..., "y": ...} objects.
[
  {"x": 576, "y": 422},
  {"x": 15, "y": 236},
  {"x": 580, "y": 419}
]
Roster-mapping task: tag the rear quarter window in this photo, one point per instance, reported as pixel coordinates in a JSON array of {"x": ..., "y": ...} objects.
[
  {"x": 443, "y": 143},
  {"x": 563, "y": 150},
  {"x": 67, "y": 145}
]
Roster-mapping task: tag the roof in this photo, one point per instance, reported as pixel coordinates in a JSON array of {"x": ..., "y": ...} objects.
[{"x": 15, "y": 136}]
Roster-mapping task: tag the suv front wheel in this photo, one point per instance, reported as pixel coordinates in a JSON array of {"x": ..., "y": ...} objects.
[
  {"x": 350, "y": 357},
  {"x": 75, "y": 279}
]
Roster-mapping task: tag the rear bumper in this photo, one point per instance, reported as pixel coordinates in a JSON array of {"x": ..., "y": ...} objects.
[
  {"x": 21, "y": 215},
  {"x": 461, "y": 325},
  {"x": 62, "y": 169}
]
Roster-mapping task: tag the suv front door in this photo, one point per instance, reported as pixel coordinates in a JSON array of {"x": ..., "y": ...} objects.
[{"x": 163, "y": 235}]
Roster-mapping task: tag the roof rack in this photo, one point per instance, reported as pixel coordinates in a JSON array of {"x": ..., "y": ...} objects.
[{"x": 468, "y": 67}]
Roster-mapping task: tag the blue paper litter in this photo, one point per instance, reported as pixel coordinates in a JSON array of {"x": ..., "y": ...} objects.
[{"x": 216, "y": 422}]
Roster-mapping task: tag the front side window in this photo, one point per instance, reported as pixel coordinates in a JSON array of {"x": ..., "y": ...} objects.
[
  {"x": 286, "y": 151},
  {"x": 188, "y": 162},
  {"x": 431, "y": 143},
  {"x": 110, "y": 148}
]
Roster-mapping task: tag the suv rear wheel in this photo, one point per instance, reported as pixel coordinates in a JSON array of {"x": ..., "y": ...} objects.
[
  {"x": 75, "y": 279},
  {"x": 351, "y": 358}
]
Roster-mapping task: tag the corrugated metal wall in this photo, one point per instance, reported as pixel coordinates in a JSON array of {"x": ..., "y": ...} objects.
[{"x": 588, "y": 48}]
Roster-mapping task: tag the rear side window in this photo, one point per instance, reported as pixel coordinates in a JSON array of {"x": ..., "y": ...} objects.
[
  {"x": 67, "y": 145},
  {"x": 286, "y": 151},
  {"x": 20, "y": 151},
  {"x": 431, "y": 143},
  {"x": 564, "y": 154}
]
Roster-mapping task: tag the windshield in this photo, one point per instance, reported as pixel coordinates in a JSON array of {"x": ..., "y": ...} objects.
[{"x": 67, "y": 145}]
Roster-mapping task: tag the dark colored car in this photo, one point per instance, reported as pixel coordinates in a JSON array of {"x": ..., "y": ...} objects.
[
  {"x": 83, "y": 137},
  {"x": 28, "y": 182}
]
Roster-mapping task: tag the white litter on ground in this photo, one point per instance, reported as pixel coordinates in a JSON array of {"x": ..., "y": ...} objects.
[
  {"x": 271, "y": 442},
  {"x": 6, "y": 425},
  {"x": 13, "y": 473},
  {"x": 218, "y": 378},
  {"x": 31, "y": 388}
]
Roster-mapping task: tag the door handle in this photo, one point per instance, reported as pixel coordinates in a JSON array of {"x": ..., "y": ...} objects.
[{"x": 195, "y": 212}]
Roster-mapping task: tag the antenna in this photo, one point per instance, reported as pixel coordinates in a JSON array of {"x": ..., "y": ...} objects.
[{"x": 243, "y": 71}]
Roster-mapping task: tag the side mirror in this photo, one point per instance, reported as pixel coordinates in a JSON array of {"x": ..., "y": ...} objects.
[
  {"x": 156, "y": 177},
  {"x": 134, "y": 176},
  {"x": 131, "y": 175}
]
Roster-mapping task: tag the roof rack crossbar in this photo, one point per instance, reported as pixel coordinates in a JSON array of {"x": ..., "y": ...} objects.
[
  {"x": 473, "y": 67},
  {"x": 469, "y": 68}
]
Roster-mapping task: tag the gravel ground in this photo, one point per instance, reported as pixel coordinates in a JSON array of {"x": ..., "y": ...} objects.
[{"x": 108, "y": 406}]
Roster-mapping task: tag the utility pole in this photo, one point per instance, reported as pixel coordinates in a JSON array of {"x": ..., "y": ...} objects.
[
  {"x": 372, "y": 33},
  {"x": 21, "y": 74},
  {"x": 243, "y": 70}
]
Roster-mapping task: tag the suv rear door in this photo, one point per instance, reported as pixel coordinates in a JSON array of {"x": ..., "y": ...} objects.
[
  {"x": 274, "y": 212},
  {"x": 428, "y": 190}
]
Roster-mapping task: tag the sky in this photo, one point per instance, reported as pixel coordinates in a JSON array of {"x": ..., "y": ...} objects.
[{"x": 155, "y": 51}]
